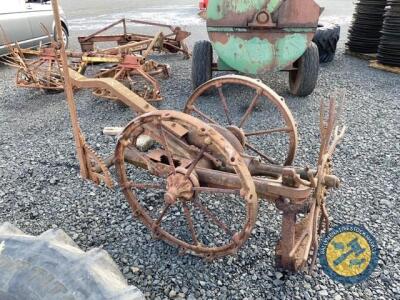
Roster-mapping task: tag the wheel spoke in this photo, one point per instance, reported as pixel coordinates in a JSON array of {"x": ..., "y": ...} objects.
[
  {"x": 268, "y": 131},
  {"x": 118, "y": 73},
  {"x": 224, "y": 104},
  {"x": 249, "y": 109},
  {"x": 195, "y": 161},
  {"x": 106, "y": 72},
  {"x": 189, "y": 221},
  {"x": 271, "y": 160},
  {"x": 162, "y": 214},
  {"x": 212, "y": 216},
  {"x": 164, "y": 140},
  {"x": 201, "y": 114},
  {"x": 143, "y": 186}
]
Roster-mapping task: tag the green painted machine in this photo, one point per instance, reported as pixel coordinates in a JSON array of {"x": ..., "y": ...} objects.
[{"x": 259, "y": 36}]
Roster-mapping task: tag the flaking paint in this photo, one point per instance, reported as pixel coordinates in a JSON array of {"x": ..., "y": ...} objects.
[
  {"x": 290, "y": 48},
  {"x": 218, "y": 9},
  {"x": 256, "y": 55},
  {"x": 245, "y": 55},
  {"x": 272, "y": 5}
]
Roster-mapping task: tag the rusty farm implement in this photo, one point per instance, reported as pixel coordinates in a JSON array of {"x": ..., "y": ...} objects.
[
  {"x": 201, "y": 172},
  {"x": 172, "y": 42},
  {"x": 198, "y": 186},
  {"x": 127, "y": 62}
]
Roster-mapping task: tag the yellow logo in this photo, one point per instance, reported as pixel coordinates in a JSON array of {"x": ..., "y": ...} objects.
[{"x": 349, "y": 253}]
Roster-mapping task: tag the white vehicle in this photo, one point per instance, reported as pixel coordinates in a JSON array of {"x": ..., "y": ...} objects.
[{"x": 21, "y": 21}]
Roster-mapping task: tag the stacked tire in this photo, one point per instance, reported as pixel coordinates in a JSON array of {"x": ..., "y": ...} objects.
[
  {"x": 389, "y": 46},
  {"x": 365, "y": 31}
]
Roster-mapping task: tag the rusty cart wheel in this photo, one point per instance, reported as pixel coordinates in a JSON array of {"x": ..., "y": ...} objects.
[
  {"x": 170, "y": 198},
  {"x": 254, "y": 113},
  {"x": 202, "y": 59},
  {"x": 303, "y": 80}
]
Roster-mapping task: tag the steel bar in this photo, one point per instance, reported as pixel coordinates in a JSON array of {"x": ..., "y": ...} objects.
[
  {"x": 211, "y": 190},
  {"x": 264, "y": 132},
  {"x": 102, "y": 30},
  {"x": 143, "y": 186},
  {"x": 151, "y": 23},
  {"x": 70, "y": 95}
]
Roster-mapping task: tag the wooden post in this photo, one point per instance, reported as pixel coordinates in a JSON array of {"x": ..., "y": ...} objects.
[{"x": 70, "y": 94}]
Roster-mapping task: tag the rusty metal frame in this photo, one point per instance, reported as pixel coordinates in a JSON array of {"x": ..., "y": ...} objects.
[
  {"x": 209, "y": 161},
  {"x": 43, "y": 72},
  {"x": 132, "y": 67},
  {"x": 172, "y": 42}
]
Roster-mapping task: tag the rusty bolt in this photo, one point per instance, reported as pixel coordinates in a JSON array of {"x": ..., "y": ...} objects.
[{"x": 262, "y": 17}]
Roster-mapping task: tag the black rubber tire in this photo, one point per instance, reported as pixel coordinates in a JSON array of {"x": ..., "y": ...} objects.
[
  {"x": 65, "y": 33},
  {"x": 51, "y": 266},
  {"x": 326, "y": 38},
  {"x": 303, "y": 80},
  {"x": 202, "y": 59}
]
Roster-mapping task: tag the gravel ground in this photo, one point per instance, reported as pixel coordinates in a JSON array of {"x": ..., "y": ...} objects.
[{"x": 41, "y": 189}]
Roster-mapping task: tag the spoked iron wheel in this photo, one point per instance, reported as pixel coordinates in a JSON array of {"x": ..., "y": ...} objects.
[
  {"x": 166, "y": 190},
  {"x": 252, "y": 112}
]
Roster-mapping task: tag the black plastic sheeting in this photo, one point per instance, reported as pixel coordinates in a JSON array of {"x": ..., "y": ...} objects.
[
  {"x": 365, "y": 31},
  {"x": 389, "y": 47}
]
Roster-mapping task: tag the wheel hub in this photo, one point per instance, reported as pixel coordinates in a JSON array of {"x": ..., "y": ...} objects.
[{"x": 180, "y": 186}]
